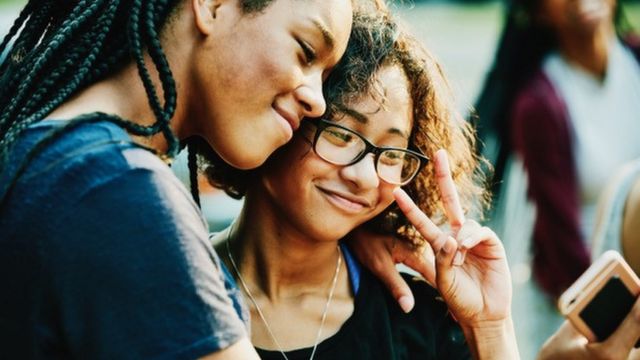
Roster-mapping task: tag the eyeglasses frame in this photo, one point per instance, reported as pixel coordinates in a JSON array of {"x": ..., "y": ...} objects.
[{"x": 322, "y": 124}]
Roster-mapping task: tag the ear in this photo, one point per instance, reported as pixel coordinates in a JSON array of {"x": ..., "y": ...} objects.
[{"x": 204, "y": 13}]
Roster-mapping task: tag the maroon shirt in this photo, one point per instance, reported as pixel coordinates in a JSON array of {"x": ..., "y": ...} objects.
[{"x": 541, "y": 134}]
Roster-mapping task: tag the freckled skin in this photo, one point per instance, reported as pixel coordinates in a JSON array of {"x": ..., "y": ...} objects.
[{"x": 242, "y": 73}]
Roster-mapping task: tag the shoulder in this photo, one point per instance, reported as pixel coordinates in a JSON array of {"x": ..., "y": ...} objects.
[
  {"x": 96, "y": 173},
  {"x": 85, "y": 158},
  {"x": 538, "y": 109},
  {"x": 536, "y": 96}
]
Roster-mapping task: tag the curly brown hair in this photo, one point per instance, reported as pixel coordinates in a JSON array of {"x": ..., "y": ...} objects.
[{"x": 376, "y": 42}]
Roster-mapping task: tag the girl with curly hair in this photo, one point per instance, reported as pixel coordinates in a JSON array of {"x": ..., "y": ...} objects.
[{"x": 389, "y": 125}]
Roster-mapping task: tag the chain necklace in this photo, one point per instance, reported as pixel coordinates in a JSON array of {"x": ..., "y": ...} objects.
[{"x": 264, "y": 320}]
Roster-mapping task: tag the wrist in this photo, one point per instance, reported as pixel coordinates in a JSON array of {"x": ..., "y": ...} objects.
[{"x": 492, "y": 339}]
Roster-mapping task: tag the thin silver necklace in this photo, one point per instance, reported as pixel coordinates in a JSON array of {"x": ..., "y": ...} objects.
[{"x": 264, "y": 320}]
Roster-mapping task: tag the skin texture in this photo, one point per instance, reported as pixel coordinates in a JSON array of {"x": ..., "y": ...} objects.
[
  {"x": 232, "y": 89},
  {"x": 314, "y": 185},
  {"x": 247, "y": 89}
]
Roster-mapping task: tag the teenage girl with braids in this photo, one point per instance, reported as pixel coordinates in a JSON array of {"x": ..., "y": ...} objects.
[{"x": 102, "y": 253}]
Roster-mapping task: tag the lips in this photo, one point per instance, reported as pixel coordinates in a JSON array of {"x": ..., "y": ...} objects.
[
  {"x": 345, "y": 201},
  {"x": 291, "y": 118}
]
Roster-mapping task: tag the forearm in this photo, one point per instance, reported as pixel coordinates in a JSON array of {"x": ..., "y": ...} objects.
[{"x": 492, "y": 340}]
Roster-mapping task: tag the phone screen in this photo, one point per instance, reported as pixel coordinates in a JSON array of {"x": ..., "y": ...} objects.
[{"x": 608, "y": 308}]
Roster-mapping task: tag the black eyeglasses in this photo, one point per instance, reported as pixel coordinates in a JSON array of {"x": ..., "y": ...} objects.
[{"x": 340, "y": 145}]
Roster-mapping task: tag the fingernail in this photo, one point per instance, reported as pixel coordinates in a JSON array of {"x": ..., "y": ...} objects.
[
  {"x": 406, "y": 303},
  {"x": 449, "y": 245},
  {"x": 458, "y": 259},
  {"x": 465, "y": 243}
]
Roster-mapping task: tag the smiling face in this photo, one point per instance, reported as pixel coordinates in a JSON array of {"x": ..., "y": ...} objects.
[
  {"x": 258, "y": 74},
  {"x": 326, "y": 201},
  {"x": 577, "y": 17}
]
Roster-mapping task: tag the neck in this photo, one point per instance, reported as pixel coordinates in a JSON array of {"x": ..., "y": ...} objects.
[
  {"x": 123, "y": 94},
  {"x": 589, "y": 51},
  {"x": 277, "y": 259}
]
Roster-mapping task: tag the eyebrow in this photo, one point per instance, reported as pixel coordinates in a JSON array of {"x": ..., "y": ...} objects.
[
  {"x": 328, "y": 37},
  {"x": 363, "y": 119}
]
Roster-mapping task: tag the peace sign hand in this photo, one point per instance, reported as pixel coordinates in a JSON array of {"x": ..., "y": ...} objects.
[{"x": 477, "y": 288}]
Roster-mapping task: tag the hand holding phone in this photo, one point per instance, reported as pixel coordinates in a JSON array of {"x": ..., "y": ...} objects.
[{"x": 602, "y": 297}]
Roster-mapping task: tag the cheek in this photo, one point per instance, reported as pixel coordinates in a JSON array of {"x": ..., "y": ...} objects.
[
  {"x": 264, "y": 68},
  {"x": 386, "y": 194}
]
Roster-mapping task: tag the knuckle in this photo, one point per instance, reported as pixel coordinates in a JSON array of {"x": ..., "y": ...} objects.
[
  {"x": 609, "y": 353},
  {"x": 379, "y": 266}
]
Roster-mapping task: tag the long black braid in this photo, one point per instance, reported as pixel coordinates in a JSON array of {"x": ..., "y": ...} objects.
[{"x": 66, "y": 45}]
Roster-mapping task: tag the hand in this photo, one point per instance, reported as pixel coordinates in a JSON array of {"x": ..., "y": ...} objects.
[
  {"x": 477, "y": 289},
  {"x": 568, "y": 343},
  {"x": 380, "y": 253}
]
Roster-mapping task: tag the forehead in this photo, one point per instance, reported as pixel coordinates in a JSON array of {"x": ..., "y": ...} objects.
[
  {"x": 335, "y": 14},
  {"x": 389, "y": 103},
  {"x": 331, "y": 17}
]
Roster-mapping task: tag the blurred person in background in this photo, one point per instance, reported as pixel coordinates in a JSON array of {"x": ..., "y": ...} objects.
[
  {"x": 563, "y": 99},
  {"x": 617, "y": 228},
  {"x": 564, "y": 94}
]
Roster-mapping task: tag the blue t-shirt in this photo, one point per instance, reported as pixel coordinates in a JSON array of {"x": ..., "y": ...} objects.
[{"x": 103, "y": 254}]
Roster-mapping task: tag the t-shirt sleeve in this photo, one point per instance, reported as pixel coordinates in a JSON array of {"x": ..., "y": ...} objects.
[{"x": 134, "y": 276}]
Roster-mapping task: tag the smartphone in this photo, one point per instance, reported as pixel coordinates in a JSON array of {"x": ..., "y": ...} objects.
[{"x": 602, "y": 297}]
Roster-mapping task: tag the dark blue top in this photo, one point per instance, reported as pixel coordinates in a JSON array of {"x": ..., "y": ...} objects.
[
  {"x": 378, "y": 329},
  {"x": 103, "y": 254}
]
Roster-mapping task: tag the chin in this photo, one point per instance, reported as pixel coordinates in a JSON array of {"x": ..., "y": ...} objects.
[
  {"x": 248, "y": 162},
  {"x": 244, "y": 160}
]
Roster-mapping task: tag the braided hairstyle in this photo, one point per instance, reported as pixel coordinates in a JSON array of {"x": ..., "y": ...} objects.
[{"x": 66, "y": 45}]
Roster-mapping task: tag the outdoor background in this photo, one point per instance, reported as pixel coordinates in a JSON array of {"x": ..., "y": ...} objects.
[{"x": 462, "y": 35}]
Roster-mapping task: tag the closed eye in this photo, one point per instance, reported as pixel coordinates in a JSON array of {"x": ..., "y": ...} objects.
[{"x": 309, "y": 54}]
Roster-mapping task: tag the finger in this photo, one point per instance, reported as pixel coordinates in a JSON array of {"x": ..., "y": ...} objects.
[
  {"x": 634, "y": 355},
  {"x": 399, "y": 288},
  {"x": 374, "y": 251},
  {"x": 469, "y": 228},
  {"x": 444, "y": 261},
  {"x": 568, "y": 332},
  {"x": 483, "y": 234},
  {"x": 627, "y": 334},
  {"x": 448, "y": 191},
  {"x": 423, "y": 262},
  {"x": 418, "y": 218}
]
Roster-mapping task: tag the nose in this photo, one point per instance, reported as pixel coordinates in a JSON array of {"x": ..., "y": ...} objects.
[
  {"x": 362, "y": 174},
  {"x": 309, "y": 96}
]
